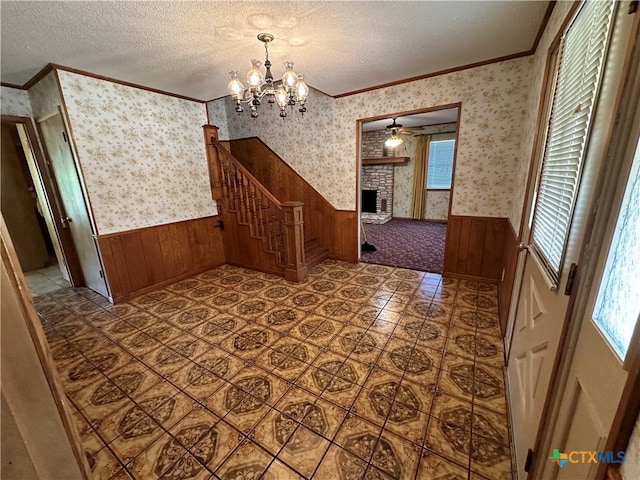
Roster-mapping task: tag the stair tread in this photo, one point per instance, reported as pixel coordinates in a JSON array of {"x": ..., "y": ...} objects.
[
  {"x": 315, "y": 254},
  {"x": 316, "y": 251}
]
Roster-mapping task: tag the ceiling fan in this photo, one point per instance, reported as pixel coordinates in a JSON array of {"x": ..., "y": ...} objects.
[
  {"x": 396, "y": 129},
  {"x": 393, "y": 140}
]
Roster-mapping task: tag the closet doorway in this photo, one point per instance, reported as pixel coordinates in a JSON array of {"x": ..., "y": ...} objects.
[{"x": 31, "y": 211}]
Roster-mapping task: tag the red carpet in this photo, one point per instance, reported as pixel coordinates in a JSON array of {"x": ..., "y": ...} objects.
[{"x": 407, "y": 244}]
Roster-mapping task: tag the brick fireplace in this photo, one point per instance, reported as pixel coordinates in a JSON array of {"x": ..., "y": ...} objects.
[{"x": 378, "y": 179}]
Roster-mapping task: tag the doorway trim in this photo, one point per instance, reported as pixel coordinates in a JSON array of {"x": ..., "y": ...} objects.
[
  {"x": 52, "y": 200},
  {"x": 625, "y": 126},
  {"x": 358, "y": 166}
]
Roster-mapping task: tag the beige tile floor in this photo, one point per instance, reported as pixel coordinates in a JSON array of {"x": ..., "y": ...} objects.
[
  {"x": 45, "y": 280},
  {"x": 363, "y": 371}
]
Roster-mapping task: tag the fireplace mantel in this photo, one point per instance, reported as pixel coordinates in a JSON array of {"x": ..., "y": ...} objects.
[{"x": 383, "y": 160}]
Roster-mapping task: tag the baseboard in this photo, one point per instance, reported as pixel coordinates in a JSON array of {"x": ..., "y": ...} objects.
[
  {"x": 421, "y": 220},
  {"x": 434, "y": 220},
  {"x": 471, "y": 277},
  {"x": 278, "y": 273},
  {"x": 512, "y": 443},
  {"x": 343, "y": 259},
  {"x": 162, "y": 284}
]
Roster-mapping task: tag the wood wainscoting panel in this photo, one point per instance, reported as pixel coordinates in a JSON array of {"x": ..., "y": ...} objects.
[
  {"x": 509, "y": 263},
  {"x": 137, "y": 261},
  {"x": 286, "y": 185},
  {"x": 346, "y": 245},
  {"x": 474, "y": 247}
]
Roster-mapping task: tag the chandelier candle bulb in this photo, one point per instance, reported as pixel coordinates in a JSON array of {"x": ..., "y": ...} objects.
[
  {"x": 255, "y": 79},
  {"x": 293, "y": 90}
]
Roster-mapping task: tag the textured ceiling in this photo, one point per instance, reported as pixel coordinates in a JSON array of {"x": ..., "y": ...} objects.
[
  {"x": 434, "y": 117},
  {"x": 189, "y": 47}
]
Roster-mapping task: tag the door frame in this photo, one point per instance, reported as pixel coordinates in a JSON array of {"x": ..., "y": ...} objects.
[
  {"x": 361, "y": 121},
  {"x": 53, "y": 203},
  {"x": 60, "y": 110},
  {"x": 623, "y": 126},
  {"x": 535, "y": 164},
  {"x": 42, "y": 349}
]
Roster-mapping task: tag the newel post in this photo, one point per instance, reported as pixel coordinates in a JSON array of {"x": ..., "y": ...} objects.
[
  {"x": 215, "y": 174},
  {"x": 295, "y": 269}
]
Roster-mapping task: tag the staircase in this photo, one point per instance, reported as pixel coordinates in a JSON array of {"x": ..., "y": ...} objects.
[
  {"x": 314, "y": 253},
  {"x": 260, "y": 232}
]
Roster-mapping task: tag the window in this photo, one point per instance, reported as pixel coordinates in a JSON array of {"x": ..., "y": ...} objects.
[
  {"x": 582, "y": 53},
  {"x": 618, "y": 301},
  {"x": 440, "y": 164}
]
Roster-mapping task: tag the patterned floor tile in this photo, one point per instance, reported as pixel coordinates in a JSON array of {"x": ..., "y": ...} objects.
[
  {"x": 340, "y": 464},
  {"x": 247, "y": 461},
  {"x": 490, "y": 458},
  {"x": 358, "y": 436},
  {"x": 159, "y": 459},
  {"x": 448, "y": 441},
  {"x": 279, "y": 471},
  {"x": 396, "y": 457},
  {"x": 304, "y": 450},
  {"x": 452, "y": 410},
  {"x": 435, "y": 466},
  {"x": 104, "y": 464},
  {"x": 214, "y": 445},
  {"x": 362, "y": 371}
]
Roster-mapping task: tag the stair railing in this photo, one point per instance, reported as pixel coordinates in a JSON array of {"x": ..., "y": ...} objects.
[{"x": 236, "y": 190}]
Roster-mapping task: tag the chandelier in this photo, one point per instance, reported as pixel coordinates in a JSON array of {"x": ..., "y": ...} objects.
[{"x": 292, "y": 91}]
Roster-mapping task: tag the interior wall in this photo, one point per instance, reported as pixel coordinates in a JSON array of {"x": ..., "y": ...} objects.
[
  {"x": 530, "y": 109},
  {"x": 142, "y": 153},
  {"x": 303, "y": 142},
  {"x": 45, "y": 96},
  {"x": 322, "y": 147},
  {"x": 27, "y": 398},
  {"x": 18, "y": 206},
  {"x": 14, "y": 101},
  {"x": 630, "y": 469}
]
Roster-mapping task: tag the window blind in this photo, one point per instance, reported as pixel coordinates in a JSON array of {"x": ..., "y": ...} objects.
[
  {"x": 440, "y": 164},
  {"x": 580, "y": 69}
]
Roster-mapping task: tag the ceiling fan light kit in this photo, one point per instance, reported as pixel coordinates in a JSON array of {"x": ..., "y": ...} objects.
[
  {"x": 394, "y": 139},
  {"x": 292, "y": 91}
]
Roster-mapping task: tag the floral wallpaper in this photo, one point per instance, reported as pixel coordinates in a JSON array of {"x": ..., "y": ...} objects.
[
  {"x": 403, "y": 178},
  {"x": 322, "y": 147},
  {"x": 437, "y": 205},
  {"x": 14, "y": 101},
  {"x": 142, "y": 153},
  {"x": 218, "y": 116},
  {"x": 302, "y": 141}
]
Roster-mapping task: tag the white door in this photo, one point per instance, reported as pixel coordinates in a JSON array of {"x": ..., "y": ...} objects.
[
  {"x": 537, "y": 331},
  {"x": 608, "y": 331},
  {"x": 76, "y": 216},
  {"x": 574, "y": 150}
]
